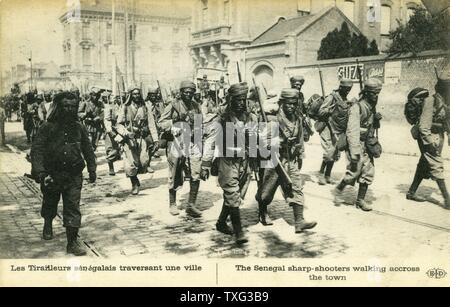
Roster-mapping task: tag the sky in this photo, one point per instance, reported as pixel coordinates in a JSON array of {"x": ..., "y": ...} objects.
[
  {"x": 34, "y": 25},
  {"x": 30, "y": 24}
]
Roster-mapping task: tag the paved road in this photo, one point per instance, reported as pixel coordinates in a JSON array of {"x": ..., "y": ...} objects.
[{"x": 116, "y": 224}]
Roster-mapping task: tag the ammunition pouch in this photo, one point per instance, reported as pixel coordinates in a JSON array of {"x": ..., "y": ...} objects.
[{"x": 373, "y": 147}]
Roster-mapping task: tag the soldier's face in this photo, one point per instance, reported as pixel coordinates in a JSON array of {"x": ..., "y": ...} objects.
[
  {"x": 239, "y": 103},
  {"x": 297, "y": 84},
  {"x": 152, "y": 97},
  {"x": 93, "y": 96},
  {"x": 372, "y": 97},
  {"x": 344, "y": 90},
  {"x": 48, "y": 98},
  {"x": 70, "y": 109},
  {"x": 289, "y": 107},
  {"x": 135, "y": 95},
  {"x": 187, "y": 94}
]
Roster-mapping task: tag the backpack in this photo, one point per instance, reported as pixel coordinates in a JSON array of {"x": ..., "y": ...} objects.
[{"x": 313, "y": 105}]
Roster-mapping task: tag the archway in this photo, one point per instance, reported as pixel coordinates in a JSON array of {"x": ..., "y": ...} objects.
[{"x": 264, "y": 75}]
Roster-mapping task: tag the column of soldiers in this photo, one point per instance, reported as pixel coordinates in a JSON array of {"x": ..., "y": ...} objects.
[{"x": 213, "y": 135}]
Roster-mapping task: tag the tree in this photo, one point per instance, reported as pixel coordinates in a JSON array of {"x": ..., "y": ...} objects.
[
  {"x": 342, "y": 44},
  {"x": 422, "y": 32}
]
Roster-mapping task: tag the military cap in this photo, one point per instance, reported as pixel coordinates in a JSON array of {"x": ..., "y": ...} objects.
[
  {"x": 105, "y": 94},
  {"x": 372, "y": 85},
  {"x": 238, "y": 89},
  {"x": 418, "y": 92},
  {"x": 346, "y": 82},
  {"x": 153, "y": 90},
  {"x": 95, "y": 89},
  {"x": 288, "y": 94},
  {"x": 187, "y": 84},
  {"x": 297, "y": 78},
  {"x": 271, "y": 94}
]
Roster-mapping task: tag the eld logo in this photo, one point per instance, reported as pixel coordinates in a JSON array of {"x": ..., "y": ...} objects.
[{"x": 436, "y": 273}]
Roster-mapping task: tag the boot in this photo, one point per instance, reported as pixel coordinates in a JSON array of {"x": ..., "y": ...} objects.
[
  {"x": 150, "y": 170},
  {"x": 341, "y": 186},
  {"x": 73, "y": 246},
  {"x": 300, "y": 223},
  {"x": 111, "y": 169},
  {"x": 221, "y": 224},
  {"x": 360, "y": 202},
  {"x": 191, "y": 209},
  {"x": 444, "y": 191},
  {"x": 135, "y": 184},
  {"x": 264, "y": 218},
  {"x": 235, "y": 215},
  {"x": 330, "y": 165},
  {"x": 173, "y": 202},
  {"x": 322, "y": 167},
  {"x": 47, "y": 233},
  {"x": 411, "y": 195},
  {"x": 322, "y": 180}
]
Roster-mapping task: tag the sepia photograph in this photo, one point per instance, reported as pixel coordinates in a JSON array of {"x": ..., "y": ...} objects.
[{"x": 225, "y": 142}]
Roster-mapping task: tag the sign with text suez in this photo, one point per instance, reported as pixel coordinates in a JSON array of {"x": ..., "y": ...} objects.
[{"x": 350, "y": 72}]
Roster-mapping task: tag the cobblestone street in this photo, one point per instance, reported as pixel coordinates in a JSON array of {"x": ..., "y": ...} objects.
[{"x": 116, "y": 224}]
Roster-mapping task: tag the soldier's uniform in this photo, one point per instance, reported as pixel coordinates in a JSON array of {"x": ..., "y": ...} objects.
[
  {"x": 91, "y": 113},
  {"x": 134, "y": 124},
  {"x": 111, "y": 113},
  {"x": 361, "y": 143},
  {"x": 331, "y": 125},
  {"x": 297, "y": 83},
  {"x": 234, "y": 169},
  {"x": 430, "y": 132},
  {"x": 155, "y": 104},
  {"x": 60, "y": 151},
  {"x": 291, "y": 154},
  {"x": 183, "y": 152}
]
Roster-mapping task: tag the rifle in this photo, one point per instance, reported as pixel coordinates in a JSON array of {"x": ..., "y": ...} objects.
[
  {"x": 333, "y": 137},
  {"x": 283, "y": 175},
  {"x": 239, "y": 72},
  {"x": 160, "y": 92},
  {"x": 358, "y": 70}
]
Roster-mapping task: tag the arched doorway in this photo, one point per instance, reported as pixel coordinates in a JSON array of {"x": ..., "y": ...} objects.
[{"x": 264, "y": 75}]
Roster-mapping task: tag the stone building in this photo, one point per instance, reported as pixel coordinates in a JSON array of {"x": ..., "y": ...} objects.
[
  {"x": 228, "y": 31},
  {"x": 156, "y": 47}
]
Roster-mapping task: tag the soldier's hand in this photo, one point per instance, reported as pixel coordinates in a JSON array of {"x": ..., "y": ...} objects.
[
  {"x": 118, "y": 138},
  {"x": 176, "y": 131},
  {"x": 204, "y": 174},
  {"x": 378, "y": 116},
  {"x": 155, "y": 146},
  {"x": 300, "y": 164},
  {"x": 92, "y": 177}
]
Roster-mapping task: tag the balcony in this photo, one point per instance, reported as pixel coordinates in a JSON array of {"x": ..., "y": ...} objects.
[{"x": 211, "y": 35}]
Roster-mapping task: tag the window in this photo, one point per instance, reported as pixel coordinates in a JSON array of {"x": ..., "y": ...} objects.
[
  {"x": 385, "y": 20},
  {"x": 226, "y": 12},
  {"x": 86, "y": 31},
  {"x": 109, "y": 32},
  {"x": 409, "y": 12},
  {"x": 86, "y": 57},
  {"x": 348, "y": 8},
  {"x": 176, "y": 30},
  {"x": 154, "y": 29}
]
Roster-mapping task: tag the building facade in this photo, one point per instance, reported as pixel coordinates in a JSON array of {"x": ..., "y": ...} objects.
[
  {"x": 226, "y": 31},
  {"x": 148, "y": 43}
]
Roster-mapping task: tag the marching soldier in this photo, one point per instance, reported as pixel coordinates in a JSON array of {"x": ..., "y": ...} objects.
[
  {"x": 154, "y": 104},
  {"x": 234, "y": 171},
  {"x": 331, "y": 123},
  {"x": 183, "y": 155},
  {"x": 362, "y": 144},
  {"x": 91, "y": 112},
  {"x": 433, "y": 122},
  {"x": 58, "y": 157},
  {"x": 297, "y": 83},
  {"x": 134, "y": 124},
  {"x": 291, "y": 156},
  {"x": 112, "y": 110}
]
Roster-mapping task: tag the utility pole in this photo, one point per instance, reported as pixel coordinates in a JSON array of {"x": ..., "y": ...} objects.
[
  {"x": 31, "y": 70},
  {"x": 113, "y": 38},
  {"x": 126, "y": 43}
]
